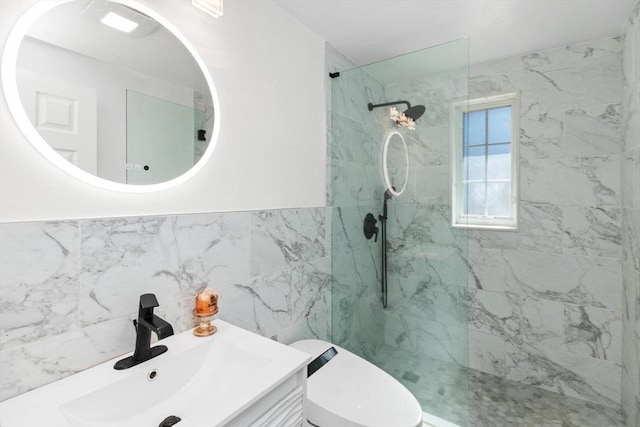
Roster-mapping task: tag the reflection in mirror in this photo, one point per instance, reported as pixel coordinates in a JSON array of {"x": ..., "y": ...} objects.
[
  {"x": 395, "y": 163},
  {"x": 129, "y": 104}
]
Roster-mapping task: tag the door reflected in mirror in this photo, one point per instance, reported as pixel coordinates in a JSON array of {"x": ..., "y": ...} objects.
[{"x": 131, "y": 107}]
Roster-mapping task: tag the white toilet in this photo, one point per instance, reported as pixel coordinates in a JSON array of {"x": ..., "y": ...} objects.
[{"x": 348, "y": 391}]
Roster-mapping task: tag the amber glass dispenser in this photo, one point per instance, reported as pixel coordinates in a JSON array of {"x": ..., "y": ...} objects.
[{"x": 206, "y": 308}]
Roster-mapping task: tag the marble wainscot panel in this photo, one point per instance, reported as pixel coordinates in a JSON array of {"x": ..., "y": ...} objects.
[
  {"x": 174, "y": 256},
  {"x": 39, "y": 281},
  {"x": 285, "y": 238},
  {"x": 69, "y": 289},
  {"x": 630, "y": 123}
]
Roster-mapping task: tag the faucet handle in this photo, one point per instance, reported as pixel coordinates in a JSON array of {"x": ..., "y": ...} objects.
[{"x": 148, "y": 301}]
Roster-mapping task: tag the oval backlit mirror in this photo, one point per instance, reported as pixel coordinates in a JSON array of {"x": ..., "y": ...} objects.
[
  {"x": 395, "y": 163},
  {"x": 111, "y": 93}
]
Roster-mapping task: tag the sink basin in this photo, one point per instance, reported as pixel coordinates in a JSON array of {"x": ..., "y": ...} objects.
[
  {"x": 167, "y": 386},
  {"x": 205, "y": 381}
]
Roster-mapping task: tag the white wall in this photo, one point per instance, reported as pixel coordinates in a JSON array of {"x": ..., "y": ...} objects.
[{"x": 268, "y": 71}]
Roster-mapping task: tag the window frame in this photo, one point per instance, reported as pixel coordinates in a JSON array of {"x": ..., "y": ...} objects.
[{"x": 458, "y": 108}]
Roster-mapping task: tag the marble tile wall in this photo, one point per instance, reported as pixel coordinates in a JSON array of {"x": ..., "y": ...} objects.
[
  {"x": 69, "y": 289},
  {"x": 545, "y": 303},
  {"x": 631, "y": 220}
]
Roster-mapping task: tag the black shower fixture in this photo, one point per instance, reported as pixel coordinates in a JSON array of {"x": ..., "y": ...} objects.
[{"x": 413, "y": 112}]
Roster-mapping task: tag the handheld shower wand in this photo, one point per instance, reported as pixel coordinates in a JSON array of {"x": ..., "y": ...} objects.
[
  {"x": 383, "y": 259},
  {"x": 370, "y": 230}
]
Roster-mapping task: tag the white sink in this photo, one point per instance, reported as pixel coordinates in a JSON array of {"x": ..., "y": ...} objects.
[{"x": 205, "y": 381}]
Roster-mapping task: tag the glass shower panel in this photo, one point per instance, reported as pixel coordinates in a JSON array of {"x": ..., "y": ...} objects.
[
  {"x": 160, "y": 139},
  {"x": 356, "y": 189},
  {"x": 421, "y": 337}
]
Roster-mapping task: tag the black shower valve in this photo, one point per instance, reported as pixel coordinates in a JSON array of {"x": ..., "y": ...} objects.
[{"x": 369, "y": 227}]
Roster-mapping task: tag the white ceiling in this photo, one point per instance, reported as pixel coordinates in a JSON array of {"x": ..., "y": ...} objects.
[{"x": 371, "y": 30}]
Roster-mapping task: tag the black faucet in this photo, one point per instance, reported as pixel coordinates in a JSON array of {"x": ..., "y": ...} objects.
[{"x": 147, "y": 322}]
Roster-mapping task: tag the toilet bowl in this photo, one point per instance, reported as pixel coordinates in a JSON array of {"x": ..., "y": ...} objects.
[{"x": 347, "y": 391}]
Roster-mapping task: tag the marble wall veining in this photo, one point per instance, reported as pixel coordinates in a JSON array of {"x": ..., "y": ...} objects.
[
  {"x": 422, "y": 316},
  {"x": 69, "y": 289},
  {"x": 630, "y": 201},
  {"x": 427, "y": 257},
  {"x": 425, "y": 314},
  {"x": 545, "y": 308},
  {"x": 354, "y": 189},
  {"x": 543, "y": 303}
]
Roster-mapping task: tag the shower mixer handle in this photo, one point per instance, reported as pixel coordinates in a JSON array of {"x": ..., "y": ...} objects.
[{"x": 369, "y": 227}]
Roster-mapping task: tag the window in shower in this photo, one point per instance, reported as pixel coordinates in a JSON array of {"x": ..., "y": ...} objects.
[{"x": 485, "y": 162}]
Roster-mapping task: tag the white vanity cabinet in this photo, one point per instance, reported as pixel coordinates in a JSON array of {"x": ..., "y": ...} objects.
[{"x": 281, "y": 407}]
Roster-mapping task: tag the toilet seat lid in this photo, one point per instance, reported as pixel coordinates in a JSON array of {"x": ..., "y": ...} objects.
[{"x": 351, "y": 392}]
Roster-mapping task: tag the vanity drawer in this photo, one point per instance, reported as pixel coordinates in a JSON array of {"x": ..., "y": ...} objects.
[{"x": 283, "y": 406}]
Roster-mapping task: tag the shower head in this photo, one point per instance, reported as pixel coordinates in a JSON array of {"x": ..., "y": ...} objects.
[{"x": 415, "y": 112}]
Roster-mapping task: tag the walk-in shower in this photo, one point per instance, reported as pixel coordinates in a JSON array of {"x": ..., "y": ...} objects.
[{"x": 484, "y": 327}]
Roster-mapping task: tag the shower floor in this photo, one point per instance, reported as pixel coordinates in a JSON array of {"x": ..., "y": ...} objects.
[{"x": 443, "y": 389}]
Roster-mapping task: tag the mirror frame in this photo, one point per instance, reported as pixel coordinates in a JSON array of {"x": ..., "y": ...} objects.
[
  {"x": 385, "y": 169},
  {"x": 10, "y": 87}
]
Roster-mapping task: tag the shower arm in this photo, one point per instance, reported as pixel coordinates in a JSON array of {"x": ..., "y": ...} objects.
[{"x": 371, "y": 106}]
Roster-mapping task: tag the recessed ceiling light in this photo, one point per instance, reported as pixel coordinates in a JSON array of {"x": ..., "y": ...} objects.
[{"x": 119, "y": 23}]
